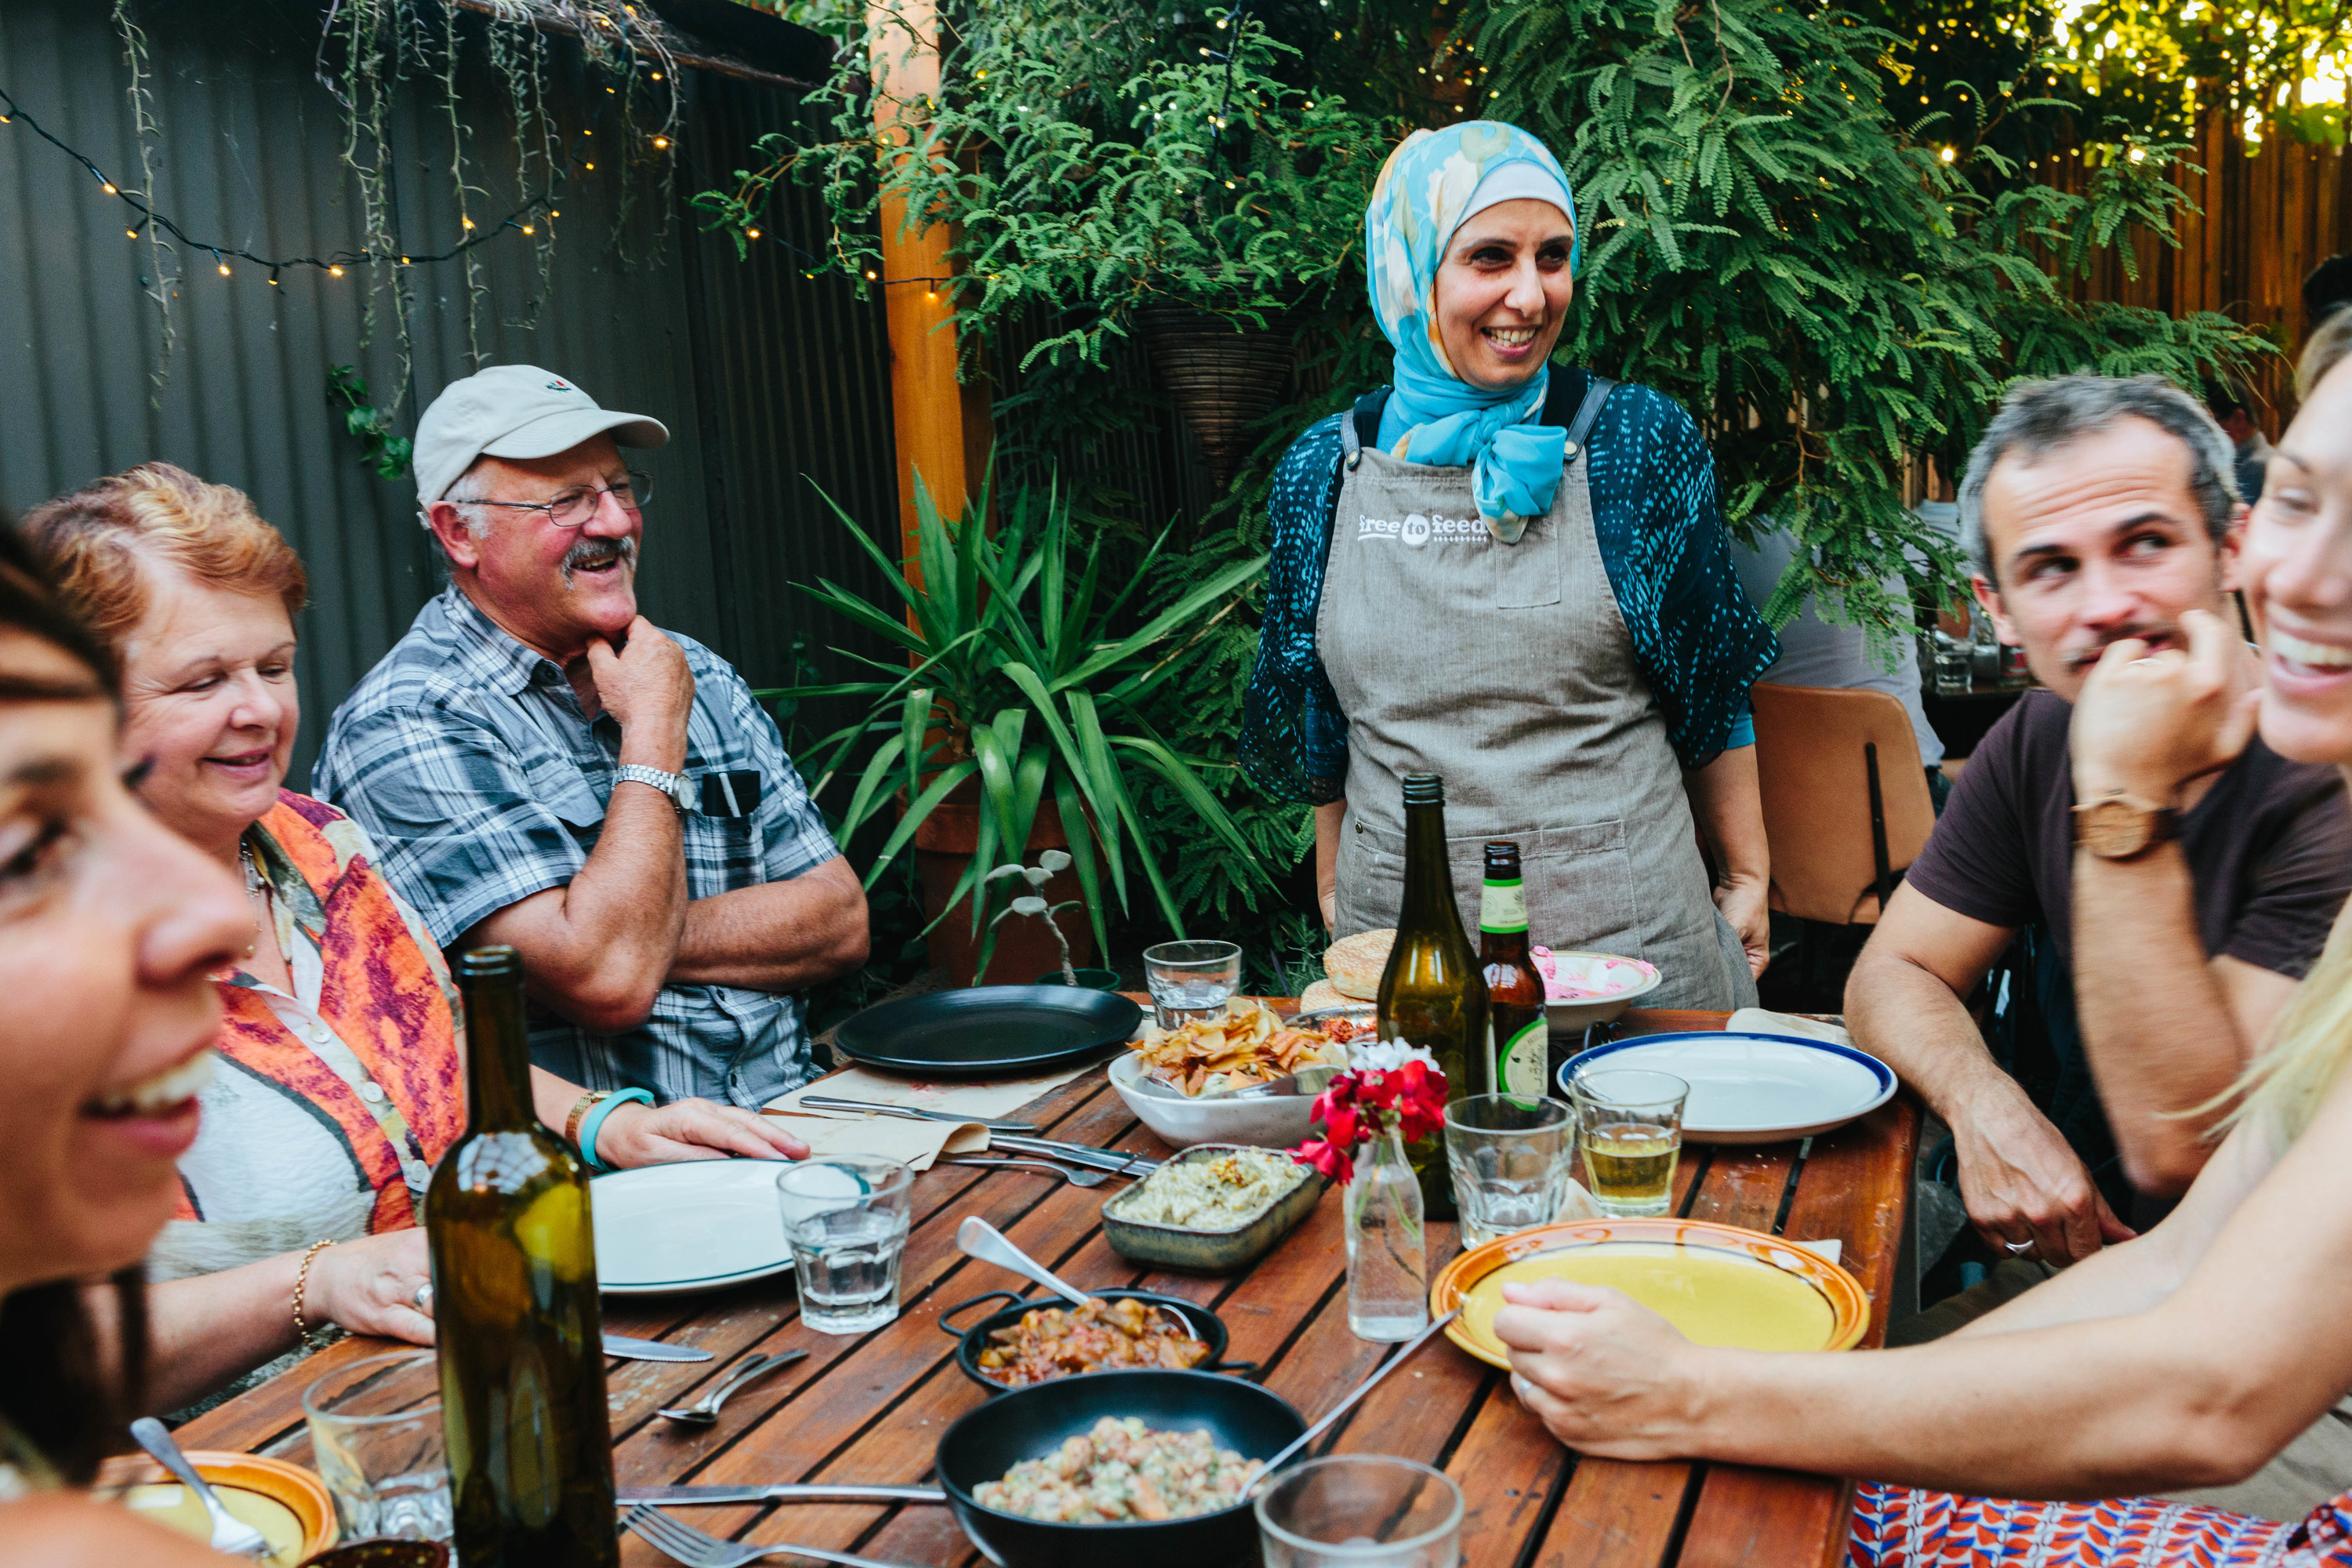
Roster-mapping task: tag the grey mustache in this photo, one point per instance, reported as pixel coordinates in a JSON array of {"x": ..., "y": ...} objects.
[{"x": 595, "y": 552}]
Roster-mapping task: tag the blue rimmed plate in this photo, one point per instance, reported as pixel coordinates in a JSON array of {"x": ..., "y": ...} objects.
[{"x": 1749, "y": 1087}]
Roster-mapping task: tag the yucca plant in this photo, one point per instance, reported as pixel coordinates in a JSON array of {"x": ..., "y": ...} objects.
[{"x": 1023, "y": 677}]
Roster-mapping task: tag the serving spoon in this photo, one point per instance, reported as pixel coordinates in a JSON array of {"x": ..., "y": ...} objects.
[{"x": 975, "y": 1237}]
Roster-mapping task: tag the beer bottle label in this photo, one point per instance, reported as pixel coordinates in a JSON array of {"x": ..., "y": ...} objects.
[
  {"x": 1503, "y": 908},
  {"x": 1526, "y": 1061}
]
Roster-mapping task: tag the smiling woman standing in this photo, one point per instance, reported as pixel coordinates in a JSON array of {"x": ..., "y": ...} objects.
[{"x": 1517, "y": 579}]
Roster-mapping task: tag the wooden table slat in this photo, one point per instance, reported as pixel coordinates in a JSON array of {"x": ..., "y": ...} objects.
[{"x": 871, "y": 1407}]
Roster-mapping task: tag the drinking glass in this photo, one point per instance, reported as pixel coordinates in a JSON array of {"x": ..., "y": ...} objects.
[
  {"x": 1631, "y": 1124},
  {"x": 376, "y": 1432},
  {"x": 1190, "y": 980},
  {"x": 1360, "y": 1511},
  {"x": 1512, "y": 1156},
  {"x": 846, "y": 1218}
]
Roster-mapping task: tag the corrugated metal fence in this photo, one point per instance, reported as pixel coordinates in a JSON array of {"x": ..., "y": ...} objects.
[{"x": 773, "y": 385}]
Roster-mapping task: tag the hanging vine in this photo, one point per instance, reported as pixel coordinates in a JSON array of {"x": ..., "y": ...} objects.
[{"x": 160, "y": 283}]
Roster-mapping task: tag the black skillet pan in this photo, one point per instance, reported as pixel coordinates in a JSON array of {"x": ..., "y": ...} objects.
[
  {"x": 1030, "y": 1423},
  {"x": 986, "y": 1031},
  {"x": 1206, "y": 1326}
]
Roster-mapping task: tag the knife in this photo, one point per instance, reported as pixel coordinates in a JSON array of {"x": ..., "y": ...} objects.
[
  {"x": 627, "y": 1349},
  {"x": 1114, "y": 1159},
  {"x": 788, "y": 1493},
  {"x": 909, "y": 1113}
]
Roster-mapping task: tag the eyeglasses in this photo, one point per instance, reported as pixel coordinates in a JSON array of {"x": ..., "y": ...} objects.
[{"x": 574, "y": 507}]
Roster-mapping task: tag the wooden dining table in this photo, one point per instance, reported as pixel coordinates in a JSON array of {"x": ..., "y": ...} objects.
[{"x": 870, "y": 1408}]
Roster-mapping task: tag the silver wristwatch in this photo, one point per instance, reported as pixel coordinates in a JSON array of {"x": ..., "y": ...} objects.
[{"x": 671, "y": 785}]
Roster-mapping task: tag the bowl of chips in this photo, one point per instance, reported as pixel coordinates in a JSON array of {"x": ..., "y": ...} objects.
[{"x": 1192, "y": 1085}]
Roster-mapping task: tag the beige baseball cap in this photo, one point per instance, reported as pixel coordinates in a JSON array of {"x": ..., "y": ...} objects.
[{"x": 513, "y": 411}]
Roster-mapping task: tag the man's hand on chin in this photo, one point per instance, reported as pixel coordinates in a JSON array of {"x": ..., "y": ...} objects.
[{"x": 2147, "y": 723}]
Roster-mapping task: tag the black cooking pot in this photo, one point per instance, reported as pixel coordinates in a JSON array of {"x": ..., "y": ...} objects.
[
  {"x": 1207, "y": 1327},
  {"x": 1030, "y": 1423}
]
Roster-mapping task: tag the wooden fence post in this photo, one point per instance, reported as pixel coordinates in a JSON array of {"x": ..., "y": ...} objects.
[{"x": 942, "y": 426}]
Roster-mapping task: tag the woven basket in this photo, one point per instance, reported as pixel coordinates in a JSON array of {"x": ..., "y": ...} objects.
[{"x": 1221, "y": 380}]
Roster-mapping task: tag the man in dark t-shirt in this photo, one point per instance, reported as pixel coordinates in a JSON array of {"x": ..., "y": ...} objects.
[{"x": 2196, "y": 879}]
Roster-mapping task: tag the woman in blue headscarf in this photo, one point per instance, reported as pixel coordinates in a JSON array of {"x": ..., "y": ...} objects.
[{"x": 1520, "y": 579}]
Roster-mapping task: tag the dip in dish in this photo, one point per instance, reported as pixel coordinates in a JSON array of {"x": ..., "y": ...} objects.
[
  {"x": 1123, "y": 1470},
  {"x": 1222, "y": 1191}
]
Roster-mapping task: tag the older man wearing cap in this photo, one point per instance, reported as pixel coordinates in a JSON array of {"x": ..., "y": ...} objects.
[{"x": 664, "y": 926}]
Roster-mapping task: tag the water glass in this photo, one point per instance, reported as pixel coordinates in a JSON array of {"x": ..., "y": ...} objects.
[
  {"x": 1190, "y": 980},
  {"x": 846, "y": 1218},
  {"x": 1360, "y": 1511},
  {"x": 1630, "y": 1122},
  {"x": 376, "y": 1432},
  {"x": 1513, "y": 1157}
]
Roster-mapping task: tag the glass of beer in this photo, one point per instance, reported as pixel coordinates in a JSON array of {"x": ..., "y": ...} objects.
[{"x": 1629, "y": 1123}]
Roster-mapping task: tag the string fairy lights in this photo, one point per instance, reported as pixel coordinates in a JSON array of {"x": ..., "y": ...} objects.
[{"x": 12, "y": 112}]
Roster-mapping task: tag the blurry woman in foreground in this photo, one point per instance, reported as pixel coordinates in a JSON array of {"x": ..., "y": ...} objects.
[
  {"x": 109, "y": 927},
  {"x": 2187, "y": 1357},
  {"x": 342, "y": 1037}
]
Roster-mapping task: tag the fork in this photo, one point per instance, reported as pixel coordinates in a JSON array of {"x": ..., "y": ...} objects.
[
  {"x": 230, "y": 1534},
  {"x": 704, "y": 1411},
  {"x": 1078, "y": 1176},
  {"x": 695, "y": 1550}
]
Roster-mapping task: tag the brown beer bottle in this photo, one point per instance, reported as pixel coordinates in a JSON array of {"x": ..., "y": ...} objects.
[
  {"x": 1515, "y": 992},
  {"x": 1430, "y": 993}
]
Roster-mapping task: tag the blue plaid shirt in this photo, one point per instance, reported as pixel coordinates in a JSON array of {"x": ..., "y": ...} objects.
[{"x": 469, "y": 760}]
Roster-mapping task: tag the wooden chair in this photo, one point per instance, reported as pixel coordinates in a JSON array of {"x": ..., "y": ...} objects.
[{"x": 1845, "y": 799}]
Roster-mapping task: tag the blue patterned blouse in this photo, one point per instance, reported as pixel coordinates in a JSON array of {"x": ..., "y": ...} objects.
[{"x": 1660, "y": 526}]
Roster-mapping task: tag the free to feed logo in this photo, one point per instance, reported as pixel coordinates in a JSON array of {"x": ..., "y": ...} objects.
[{"x": 1418, "y": 529}]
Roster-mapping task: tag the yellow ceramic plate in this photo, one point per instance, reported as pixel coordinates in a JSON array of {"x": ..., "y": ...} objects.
[
  {"x": 284, "y": 1502},
  {"x": 1718, "y": 1284}
]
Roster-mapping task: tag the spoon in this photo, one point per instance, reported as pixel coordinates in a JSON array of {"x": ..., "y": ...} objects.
[
  {"x": 975, "y": 1237},
  {"x": 1078, "y": 1178},
  {"x": 230, "y": 1533},
  {"x": 978, "y": 1238},
  {"x": 704, "y": 1411}
]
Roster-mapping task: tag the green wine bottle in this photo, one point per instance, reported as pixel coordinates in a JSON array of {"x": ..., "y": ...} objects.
[
  {"x": 514, "y": 1297},
  {"x": 1432, "y": 992}
]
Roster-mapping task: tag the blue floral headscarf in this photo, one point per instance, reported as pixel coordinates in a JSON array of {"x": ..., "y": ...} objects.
[{"x": 1423, "y": 192}]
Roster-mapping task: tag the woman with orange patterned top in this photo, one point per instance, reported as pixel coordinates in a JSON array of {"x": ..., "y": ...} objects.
[{"x": 343, "y": 1079}]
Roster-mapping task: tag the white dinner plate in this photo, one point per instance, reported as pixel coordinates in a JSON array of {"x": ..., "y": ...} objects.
[
  {"x": 665, "y": 1230},
  {"x": 1752, "y": 1088}
]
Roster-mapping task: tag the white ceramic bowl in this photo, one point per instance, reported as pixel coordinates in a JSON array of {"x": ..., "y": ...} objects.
[
  {"x": 1573, "y": 1017},
  {"x": 1278, "y": 1123}
]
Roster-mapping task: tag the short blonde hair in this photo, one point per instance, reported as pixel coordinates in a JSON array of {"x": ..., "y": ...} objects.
[{"x": 93, "y": 540}]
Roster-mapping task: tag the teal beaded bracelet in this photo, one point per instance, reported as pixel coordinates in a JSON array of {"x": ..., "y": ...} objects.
[{"x": 595, "y": 1120}]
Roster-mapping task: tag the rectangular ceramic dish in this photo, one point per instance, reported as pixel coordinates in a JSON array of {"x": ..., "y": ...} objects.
[{"x": 1211, "y": 1251}]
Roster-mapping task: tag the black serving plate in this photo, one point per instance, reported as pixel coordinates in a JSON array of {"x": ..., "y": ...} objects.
[
  {"x": 987, "y": 1031},
  {"x": 1207, "y": 1327},
  {"x": 1028, "y": 1423}
]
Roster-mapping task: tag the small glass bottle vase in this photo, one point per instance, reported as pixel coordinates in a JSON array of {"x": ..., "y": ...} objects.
[{"x": 1388, "y": 1247}]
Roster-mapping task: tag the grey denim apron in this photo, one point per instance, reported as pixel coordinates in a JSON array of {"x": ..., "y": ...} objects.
[{"x": 1509, "y": 669}]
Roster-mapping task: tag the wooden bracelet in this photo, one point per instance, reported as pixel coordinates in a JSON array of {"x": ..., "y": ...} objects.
[
  {"x": 580, "y": 1108},
  {"x": 310, "y": 1341}
]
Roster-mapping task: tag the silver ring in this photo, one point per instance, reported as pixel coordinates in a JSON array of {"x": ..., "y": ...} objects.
[
  {"x": 423, "y": 1299},
  {"x": 2016, "y": 1248}
]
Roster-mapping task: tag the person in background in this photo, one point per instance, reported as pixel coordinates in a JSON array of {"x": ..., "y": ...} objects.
[
  {"x": 2227, "y": 399},
  {"x": 109, "y": 924},
  {"x": 2097, "y": 512},
  {"x": 342, "y": 1041},
  {"x": 2184, "y": 1358},
  {"x": 1553, "y": 625},
  {"x": 1818, "y": 651},
  {"x": 542, "y": 766}
]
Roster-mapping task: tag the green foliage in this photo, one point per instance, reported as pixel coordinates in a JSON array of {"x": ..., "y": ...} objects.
[
  {"x": 382, "y": 453},
  {"x": 1033, "y": 679},
  {"x": 1085, "y": 183}
]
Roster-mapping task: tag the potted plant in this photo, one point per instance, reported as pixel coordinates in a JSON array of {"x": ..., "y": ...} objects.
[
  {"x": 1020, "y": 724},
  {"x": 1033, "y": 904}
]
